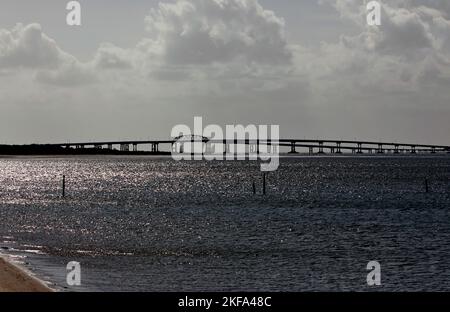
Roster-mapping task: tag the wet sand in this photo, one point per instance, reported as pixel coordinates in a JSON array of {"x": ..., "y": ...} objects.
[{"x": 15, "y": 279}]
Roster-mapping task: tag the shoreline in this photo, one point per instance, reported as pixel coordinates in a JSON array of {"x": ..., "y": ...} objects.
[
  {"x": 281, "y": 155},
  {"x": 15, "y": 278}
]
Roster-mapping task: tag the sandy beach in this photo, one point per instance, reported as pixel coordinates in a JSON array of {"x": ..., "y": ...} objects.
[{"x": 15, "y": 279}]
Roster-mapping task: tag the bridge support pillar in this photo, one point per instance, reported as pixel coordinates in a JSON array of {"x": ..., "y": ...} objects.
[
  {"x": 293, "y": 151},
  {"x": 230, "y": 150},
  {"x": 124, "y": 147},
  {"x": 396, "y": 149},
  {"x": 359, "y": 151},
  {"x": 155, "y": 147},
  {"x": 267, "y": 147},
  {"x": 135, "y": 147},
  {"x": 311, "y": 150},
  {"x": 380, "y": 149},
  {"x": 273, "y": 148},
  {"x": 208, "y": 148},
  {"x": 110, "y": 147},
  {"x": 338, "y": 148},
  {"x": 226, "y": 147},
  {"x": 251, "y": 148},
  {"x": 433, "y": 150},
  {"x": 413, "y": 150},
  {"x": 321, "y": 148}
]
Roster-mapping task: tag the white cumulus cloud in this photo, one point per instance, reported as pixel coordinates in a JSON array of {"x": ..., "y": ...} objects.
[
  {"x": 216, "y": 31},
  {"x": 27, "y": 46}
]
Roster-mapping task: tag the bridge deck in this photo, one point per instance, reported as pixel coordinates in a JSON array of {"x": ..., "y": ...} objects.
[{"x": 334, "y": 146}]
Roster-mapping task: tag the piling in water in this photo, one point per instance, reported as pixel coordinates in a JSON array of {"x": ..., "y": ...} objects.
[
  {"x": 254, "y": 187},
  {"x": 427, "y": 189},
  {"x": 264, "y": 183},
  {"x": 64, "y": 186}
]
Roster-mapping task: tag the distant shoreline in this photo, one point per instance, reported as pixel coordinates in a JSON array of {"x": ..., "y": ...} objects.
[
  {"x": 52, "y": 150},
  {"x": 36, "y": 150}
]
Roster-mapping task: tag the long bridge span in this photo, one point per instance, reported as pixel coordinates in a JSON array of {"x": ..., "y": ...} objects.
[{"x": 292, "y": 146}]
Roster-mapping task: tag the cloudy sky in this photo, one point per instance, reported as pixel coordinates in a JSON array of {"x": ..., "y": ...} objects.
[{"x": 136, "y": 68}]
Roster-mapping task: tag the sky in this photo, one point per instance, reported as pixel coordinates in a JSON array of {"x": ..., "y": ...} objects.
[{"x": 135, "y": 69}]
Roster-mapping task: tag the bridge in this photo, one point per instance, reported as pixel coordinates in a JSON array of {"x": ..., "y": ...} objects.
[{"x": 293, "y": 146}]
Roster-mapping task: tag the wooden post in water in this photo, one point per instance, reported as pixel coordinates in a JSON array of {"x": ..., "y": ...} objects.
[
  {"x": 264, "y": 183},
  {"x": 64, "y": 186},
  {"x": 254, "y": 187},
  {"x": 427, "y": 189}
]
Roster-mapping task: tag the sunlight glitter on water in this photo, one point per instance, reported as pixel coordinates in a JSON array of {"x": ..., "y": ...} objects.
[{"x": 146, "y": 224}]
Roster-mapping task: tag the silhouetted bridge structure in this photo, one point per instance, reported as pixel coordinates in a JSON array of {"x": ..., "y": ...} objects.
[{"x": 293, "y": 146}]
